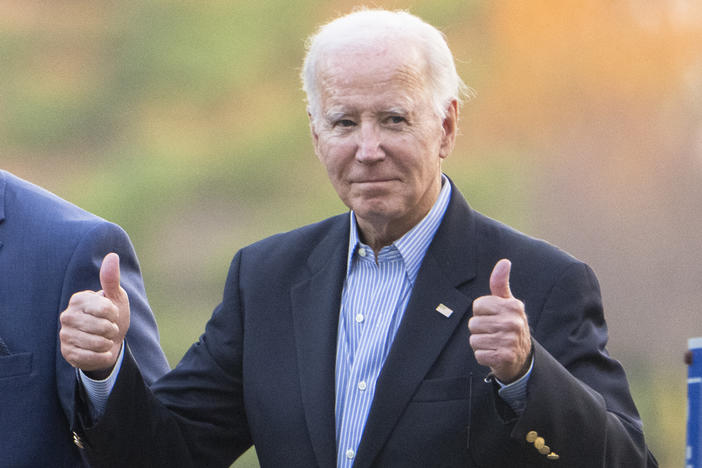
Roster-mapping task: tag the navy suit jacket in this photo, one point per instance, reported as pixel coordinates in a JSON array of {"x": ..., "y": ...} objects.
[
  {"x": 263, "y": 371},
  {"x": 50, "y": 249}
]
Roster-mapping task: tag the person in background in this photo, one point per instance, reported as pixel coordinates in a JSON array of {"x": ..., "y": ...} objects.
[
  {"x": 411, "y": 331},
  {"x": 49, "y": 250}
]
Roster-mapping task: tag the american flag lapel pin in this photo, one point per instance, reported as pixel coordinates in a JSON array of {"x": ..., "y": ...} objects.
[{"x": 444, "y": 310}]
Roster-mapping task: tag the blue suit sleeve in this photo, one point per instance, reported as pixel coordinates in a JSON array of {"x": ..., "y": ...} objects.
[{"x": 82, "y": 273}]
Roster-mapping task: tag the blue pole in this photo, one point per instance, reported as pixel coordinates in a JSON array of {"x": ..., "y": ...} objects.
[{"x": 693, "y": 452}]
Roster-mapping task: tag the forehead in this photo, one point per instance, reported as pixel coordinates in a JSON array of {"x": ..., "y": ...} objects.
[{"x": 381, "y": 74}]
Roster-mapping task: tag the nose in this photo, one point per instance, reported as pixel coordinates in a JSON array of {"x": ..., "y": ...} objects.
[{"x": 369, "y": 148}]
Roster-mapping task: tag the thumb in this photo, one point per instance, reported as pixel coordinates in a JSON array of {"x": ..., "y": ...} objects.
[
  {"x": 109, "y": 277},
  {"x": 499, "y": 279}
]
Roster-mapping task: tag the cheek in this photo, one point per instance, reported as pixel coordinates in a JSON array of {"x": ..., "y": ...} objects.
[
  {"x": 335, "y": 170},
  {"x": 335, "y": 156}
]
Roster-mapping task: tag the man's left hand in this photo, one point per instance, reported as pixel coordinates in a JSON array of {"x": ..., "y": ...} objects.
[{"x": 499, "y": 331}]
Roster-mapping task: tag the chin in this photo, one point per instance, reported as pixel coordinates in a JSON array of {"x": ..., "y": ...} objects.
[{"x": 375, "y": 213}]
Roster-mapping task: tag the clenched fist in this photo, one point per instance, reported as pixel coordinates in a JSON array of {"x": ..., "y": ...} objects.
[
  {"x": 499, "y": 331},
  {"x": 94, "y": 323}
]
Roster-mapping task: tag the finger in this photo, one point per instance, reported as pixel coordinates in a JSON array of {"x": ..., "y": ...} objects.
[
  {"x": 79, "y": 299},
  {"x": 92, "y": 303},
  {"x": 89, "y": 324},
  {"x": 97, "y": 307},
  {"x": 73, "y": 338},
  {"x": 87, "y": 360},
  {"x": 487, "y": 305},
  {"x": 482, "y": 325},
  {"x": 480, "y": 341},
  {"x": 506, "y": 340},
  {"x": 109, "y": 277},
  {"x": 499, "y": 279},
  {"x": 487, "y": 357}
]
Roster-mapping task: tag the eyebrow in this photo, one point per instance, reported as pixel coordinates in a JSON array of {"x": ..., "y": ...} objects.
[
  {"x": 333, "y": 116},
  {"x": 396, "y": 110}
]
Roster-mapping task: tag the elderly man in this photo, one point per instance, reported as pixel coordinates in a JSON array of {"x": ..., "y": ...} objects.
[{"x": 395, "y": 335}]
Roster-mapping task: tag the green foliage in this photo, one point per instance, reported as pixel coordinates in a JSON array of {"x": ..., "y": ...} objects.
[{"x": 661, "y": 398}]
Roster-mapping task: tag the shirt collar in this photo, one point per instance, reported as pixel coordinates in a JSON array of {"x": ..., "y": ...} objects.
[{"x": 414, "y": 244}]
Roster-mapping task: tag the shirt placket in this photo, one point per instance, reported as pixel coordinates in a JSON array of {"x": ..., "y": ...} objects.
[{"x": 369, "y": 354}]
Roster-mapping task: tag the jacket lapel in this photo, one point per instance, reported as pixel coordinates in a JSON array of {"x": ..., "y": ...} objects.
[
  {"x": 424, "y": 331},
  {"x": 315, "y": 305},
  {"x": 2, "y": 202}
]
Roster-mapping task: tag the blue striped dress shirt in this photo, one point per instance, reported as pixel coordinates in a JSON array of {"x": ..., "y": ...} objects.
[{"x": 373, "y": 302}]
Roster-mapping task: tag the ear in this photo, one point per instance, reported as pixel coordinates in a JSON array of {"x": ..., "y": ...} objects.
[
  {"x": 313, "y": 132},
  {"x": 450, "y": 128}
]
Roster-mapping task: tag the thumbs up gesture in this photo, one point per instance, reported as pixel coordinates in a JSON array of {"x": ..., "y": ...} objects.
[
  {"x": 499, "y": 331},
  {"x": 94, "y": 323}
]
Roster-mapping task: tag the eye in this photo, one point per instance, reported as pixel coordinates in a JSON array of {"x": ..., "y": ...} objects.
[
  {"x": 344, "y": 123},
  {"x": 396, "y": 119}
]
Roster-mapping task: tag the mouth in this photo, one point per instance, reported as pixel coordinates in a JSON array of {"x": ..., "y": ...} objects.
[{"x": 373, "y": 181}]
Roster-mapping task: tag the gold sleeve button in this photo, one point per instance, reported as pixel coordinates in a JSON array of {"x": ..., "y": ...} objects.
[
  {"x": 539, "y": 443},
  {"x": 77, "y": 440}
]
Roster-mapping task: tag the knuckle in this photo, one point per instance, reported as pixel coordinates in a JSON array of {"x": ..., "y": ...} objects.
[
  {"x": 76, "y": 298},
  {"x": 516, "y": 305},
  {"x": 104, "y": 328},
  {"x": 80, "y": 297},
  {"x": 513, "y": 324},
  {"x": 109, "y": 310},
  {"x": 70, "y": 356},
  {"x": 480, "y": 303},
  {"x": 67, "y": 317},
  {"x": 103, "y": 346},
  {"x": 473, "y": 340},
  {"x": 509, "y": 326}
]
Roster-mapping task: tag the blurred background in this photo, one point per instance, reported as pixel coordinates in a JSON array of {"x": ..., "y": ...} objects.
[{"x": 184, "y": 122}]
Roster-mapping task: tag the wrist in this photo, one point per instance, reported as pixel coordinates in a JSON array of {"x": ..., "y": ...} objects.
[{"x": 521, "y": 372}]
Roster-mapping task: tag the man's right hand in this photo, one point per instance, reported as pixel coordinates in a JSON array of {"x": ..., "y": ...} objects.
[{"x": 94, "y": 324}]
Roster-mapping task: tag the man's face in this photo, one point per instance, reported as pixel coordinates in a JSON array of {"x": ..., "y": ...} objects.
[{"x": 379, "y": 138}]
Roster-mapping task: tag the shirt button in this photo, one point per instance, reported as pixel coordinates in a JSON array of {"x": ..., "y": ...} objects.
[
  {"x": 362, "y": 385},
  {"x": 350, "y": 454},
  {"x": 362, "y": 252},
  {"x": 359, "y": 318}
]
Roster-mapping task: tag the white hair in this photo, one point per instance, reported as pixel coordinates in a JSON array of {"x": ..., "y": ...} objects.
[{"x": 367, "y": 27}]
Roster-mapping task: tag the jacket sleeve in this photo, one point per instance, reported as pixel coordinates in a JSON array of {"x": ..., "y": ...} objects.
[
  {"x": 191, "y": 417},
  {"x": 83, "y": 273},
  {"x": 578, "y": 404}
]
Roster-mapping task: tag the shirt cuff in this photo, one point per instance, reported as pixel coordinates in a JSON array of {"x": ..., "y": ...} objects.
[
  {"x": 515, "y": 393},
  {"x": 98, "y": 391}
]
